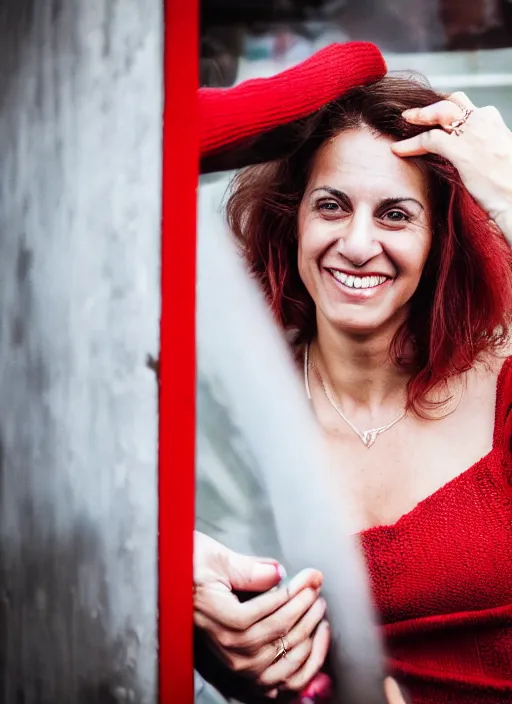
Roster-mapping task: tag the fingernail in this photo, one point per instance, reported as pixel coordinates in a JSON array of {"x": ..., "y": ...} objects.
[
  {"x": 291, "y": 583},
  {"x": 319, "y": 689},
  {"x": 273, "y": 694},
  {"x": 299, "y": 581},
  {"x": 281, "y": 572}
]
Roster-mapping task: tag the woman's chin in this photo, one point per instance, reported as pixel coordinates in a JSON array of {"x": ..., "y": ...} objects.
[
  {"x": 365, "y": 320},
  {"x": 364, "y": 325},
  {"x": 357, "y": 328}
]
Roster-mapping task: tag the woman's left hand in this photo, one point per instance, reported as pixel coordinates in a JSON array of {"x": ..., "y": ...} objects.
[{"x": 480, "y": 149}]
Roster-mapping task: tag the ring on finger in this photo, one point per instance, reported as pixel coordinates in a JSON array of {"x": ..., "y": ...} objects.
[
  {"x": 282, "y": 650},
  {"x": 455, "y": 126}
]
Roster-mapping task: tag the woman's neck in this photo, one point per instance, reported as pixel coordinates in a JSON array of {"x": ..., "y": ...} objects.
[{"x": 359, "y": 370}]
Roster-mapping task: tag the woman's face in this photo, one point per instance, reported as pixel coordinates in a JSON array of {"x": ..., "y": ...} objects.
[{"x": 364, "y": 233}]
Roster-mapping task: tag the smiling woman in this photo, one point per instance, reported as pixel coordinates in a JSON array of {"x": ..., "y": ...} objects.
[{"x": 382, "y": 243}]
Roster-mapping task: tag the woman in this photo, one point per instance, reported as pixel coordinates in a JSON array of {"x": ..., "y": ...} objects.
[{"x": 383, "y": 242}]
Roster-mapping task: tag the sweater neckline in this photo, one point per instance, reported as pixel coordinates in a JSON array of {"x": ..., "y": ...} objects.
[{"x": 460, "y": 478}]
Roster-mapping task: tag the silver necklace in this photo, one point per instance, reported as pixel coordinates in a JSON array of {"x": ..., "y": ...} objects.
[{"x": 367, "y": 437}]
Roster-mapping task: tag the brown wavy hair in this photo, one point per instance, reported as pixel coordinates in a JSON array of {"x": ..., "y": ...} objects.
[{"x": 463, "y": 304}]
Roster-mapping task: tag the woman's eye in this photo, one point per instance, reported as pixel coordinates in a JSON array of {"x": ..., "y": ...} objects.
[
  {"x": 329, "y": 206},
  {"x": 396, "y": 216}
]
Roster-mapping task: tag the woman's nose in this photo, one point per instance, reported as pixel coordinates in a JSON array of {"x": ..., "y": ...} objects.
[{"x": 357, "y": 242}]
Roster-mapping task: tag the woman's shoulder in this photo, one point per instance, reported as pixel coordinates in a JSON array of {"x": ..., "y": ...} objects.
[
  {"x": 493, "y": 365},
  {"x": 504, "y": 403},
  {"x": 498, "y": 370},
  {"x": 488, "y": 384}
]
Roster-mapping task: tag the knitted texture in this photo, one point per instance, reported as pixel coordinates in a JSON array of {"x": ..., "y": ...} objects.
[
  {"x": 442, "y": 581},
  {"x": 230, "y": 115}
]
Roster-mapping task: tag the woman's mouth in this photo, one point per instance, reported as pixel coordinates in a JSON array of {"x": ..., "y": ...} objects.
[
  {"x": 360, "y": 286},
  {"x": 352, "y": 281}
]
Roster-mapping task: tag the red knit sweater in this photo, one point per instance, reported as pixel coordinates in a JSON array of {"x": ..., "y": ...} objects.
[{"x": 442, "y": 580}]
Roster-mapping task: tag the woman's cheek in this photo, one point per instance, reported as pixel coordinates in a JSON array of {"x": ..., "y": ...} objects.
[
  {"x": 307, "y": 266},
  {"x": 314, "y": 240},
  {"x": 303, "y": 270}
]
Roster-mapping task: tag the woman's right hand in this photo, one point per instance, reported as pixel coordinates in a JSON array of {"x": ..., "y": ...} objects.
[{"x": 249, "y": 636}]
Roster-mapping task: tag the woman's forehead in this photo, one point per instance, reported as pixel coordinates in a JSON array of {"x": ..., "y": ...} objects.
[{"x": 360, "y": 159}]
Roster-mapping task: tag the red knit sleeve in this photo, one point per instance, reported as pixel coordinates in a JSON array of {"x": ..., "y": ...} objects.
[{"x": 229, "y": 115}]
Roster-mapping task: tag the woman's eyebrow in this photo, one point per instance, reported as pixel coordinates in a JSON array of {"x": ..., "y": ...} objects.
[
  {"x": 385, "y": 202},
  {"x": 397, "y": 201},
  {"x": 333, "y": 192}
]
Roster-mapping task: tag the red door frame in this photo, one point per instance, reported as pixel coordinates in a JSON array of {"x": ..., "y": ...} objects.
[{"x": 177, "y": 352}]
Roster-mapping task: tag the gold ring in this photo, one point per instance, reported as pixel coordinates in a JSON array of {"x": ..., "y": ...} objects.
[
  {"x": 281, "y": 651},
  {"x": 455, "y": 126}
]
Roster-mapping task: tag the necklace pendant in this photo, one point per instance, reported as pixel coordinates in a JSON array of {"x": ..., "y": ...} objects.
[{"x": 369, "y": 437}]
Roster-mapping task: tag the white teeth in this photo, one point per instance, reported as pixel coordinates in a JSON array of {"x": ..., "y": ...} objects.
[{"x": 358, "y": 281}]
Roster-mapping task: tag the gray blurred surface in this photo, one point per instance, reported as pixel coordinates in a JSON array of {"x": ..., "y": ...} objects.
[
  {"x": 80, "y": 133},
  {"x": 231, "y": 503}
]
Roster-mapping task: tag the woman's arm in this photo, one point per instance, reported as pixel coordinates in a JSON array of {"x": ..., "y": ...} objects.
[
  {"x": 256, "y": 120},
  {"x": 504, "y": 222}
]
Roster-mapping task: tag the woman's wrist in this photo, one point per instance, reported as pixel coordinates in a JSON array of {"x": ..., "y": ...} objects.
[{"x": 504, "y": 221}]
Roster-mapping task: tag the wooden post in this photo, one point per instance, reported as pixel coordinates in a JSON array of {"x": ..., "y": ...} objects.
[{"x": 80, "y": 145}]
